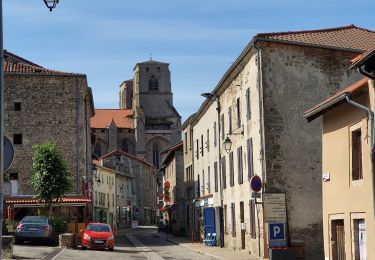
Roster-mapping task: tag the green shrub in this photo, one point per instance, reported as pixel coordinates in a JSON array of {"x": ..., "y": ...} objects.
[
  {"x": 10, "y": 225},
  {"x": 59, "y": 224}
]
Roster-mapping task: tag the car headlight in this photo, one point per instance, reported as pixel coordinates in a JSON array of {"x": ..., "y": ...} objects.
[
  {"x": 85, "y": 236},
  {"x": 110, "y": 237}
]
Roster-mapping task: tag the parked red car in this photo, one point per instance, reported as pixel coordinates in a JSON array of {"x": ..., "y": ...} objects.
[{"x": 98, "y": 236}]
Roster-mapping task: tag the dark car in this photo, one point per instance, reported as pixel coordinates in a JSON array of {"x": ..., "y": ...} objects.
[{"x": 34, "y": 228}]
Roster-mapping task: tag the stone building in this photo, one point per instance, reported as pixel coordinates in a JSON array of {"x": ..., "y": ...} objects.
[
  {"x": 146, "y": 122},
  {"x": 43, "y": 105},
  {"x": 143, "y": 198},
  {"x": 257, "y": 106},
  {"x": 174, "y": 189}
]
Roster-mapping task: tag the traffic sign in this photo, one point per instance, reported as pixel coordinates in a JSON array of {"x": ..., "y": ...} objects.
[
  {"x": 276, "y": 234},
  {"x": 256, "y": 183},
  {"x": 8, "y": 154}
]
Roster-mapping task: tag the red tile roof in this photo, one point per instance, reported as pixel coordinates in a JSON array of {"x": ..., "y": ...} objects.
[
  {"x": 137, "y": 158},
  {"x": 361, "y": 59},
  {"x": 347, "y": 37},
  {"x": 121, "y": 117},
  {"x": 34, "y": 200},
  {"x": 11, "y": 67},
  {"x": 334, "y": 100}
]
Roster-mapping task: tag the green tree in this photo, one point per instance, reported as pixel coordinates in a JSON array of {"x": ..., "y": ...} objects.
[{"x": 50, "y": 178}]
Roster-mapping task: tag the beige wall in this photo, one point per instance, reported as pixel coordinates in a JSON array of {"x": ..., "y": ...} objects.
[{"x": 344, "y": 198}]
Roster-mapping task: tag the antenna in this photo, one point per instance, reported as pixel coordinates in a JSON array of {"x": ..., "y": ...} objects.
[{"x": 150, "y": 56}]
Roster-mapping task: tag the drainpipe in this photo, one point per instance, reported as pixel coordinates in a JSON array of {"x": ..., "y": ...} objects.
[
  {"x": 371, "y": 115},
  {"x": 262, "y": 145}
]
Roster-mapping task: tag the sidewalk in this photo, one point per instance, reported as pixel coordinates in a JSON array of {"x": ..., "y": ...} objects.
[{"x": 214, "y": 252}]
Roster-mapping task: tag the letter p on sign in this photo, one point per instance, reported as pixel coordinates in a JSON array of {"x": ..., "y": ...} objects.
[{"x": 276, "y": 231}]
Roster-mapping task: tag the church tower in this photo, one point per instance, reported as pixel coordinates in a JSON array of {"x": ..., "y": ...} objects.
[{"x": 157, "y": 123}]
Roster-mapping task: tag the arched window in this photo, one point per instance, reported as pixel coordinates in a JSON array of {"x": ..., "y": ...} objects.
[
  {"x": 125, "y": 145},
  {"x": 153, "y": 83},
  {"x": 98, "y": 150},
  {"x": 156, "y": 155}
]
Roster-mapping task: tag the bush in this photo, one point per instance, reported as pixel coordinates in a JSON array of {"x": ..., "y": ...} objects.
[
  {"x": 59, "y": 224},
  {"x": 10, "y": 226}
]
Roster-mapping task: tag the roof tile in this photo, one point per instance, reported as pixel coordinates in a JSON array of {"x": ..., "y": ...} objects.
[
  {"x": 347, "y": 37},
  {"x": 104, "y": 117}
]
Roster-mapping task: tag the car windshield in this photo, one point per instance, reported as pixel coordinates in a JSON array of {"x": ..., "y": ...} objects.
[
  {"x": 98, "y": 228},
  {"x": 34, "y": 220}
]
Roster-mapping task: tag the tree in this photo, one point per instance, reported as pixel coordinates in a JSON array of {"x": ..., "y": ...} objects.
[{"x": 50, "y": 176}]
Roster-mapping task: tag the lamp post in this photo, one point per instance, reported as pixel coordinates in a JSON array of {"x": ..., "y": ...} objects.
[
  {"x": 214, "y": 97},
  {"x": 50, "y": 4}
]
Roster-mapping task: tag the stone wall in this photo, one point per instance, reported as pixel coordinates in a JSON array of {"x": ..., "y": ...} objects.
[
  {"x": 296, "y": 78},
  {"x": 53, "y": 109}
]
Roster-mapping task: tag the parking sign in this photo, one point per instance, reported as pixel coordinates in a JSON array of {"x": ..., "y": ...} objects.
[{"x": 276, "y": 234}]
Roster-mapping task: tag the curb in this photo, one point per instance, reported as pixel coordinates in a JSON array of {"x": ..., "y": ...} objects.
[
  {"x": 54, "y": 254},
  {"x": 195, "y": 250}
]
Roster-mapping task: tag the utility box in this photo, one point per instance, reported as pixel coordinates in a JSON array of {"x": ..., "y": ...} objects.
[{"x": 281, "y": 254}]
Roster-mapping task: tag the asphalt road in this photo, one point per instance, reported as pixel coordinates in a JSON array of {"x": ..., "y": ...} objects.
[{"x": 141, "y": 244}]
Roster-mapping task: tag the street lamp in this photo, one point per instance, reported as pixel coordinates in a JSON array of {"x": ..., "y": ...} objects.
[
  {"x": 51, "y": 4},
  {"x": 95, "y": 175},
  {"x": 227, "y": 144}
]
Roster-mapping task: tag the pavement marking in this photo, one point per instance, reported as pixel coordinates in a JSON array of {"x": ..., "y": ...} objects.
[
  {"x": 53, "y": 254},
  {"x": 146, "y": 251}
]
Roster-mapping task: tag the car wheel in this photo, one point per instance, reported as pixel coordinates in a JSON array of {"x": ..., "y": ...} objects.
[
  {"x": 83, "y": 247},
  {"x": 111, "y": 249},
  {"x": 18, "y": 241}
]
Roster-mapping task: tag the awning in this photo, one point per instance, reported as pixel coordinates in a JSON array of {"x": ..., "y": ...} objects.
[{"x": 31, "y": 201}]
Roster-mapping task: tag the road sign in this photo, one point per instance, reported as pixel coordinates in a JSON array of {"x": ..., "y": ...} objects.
[
  {"x": 256, "y": 183},
  {"x": 274, "y": 206},
  {"x": 276, "y": 234},
  {"x": 8, "y": 154}
]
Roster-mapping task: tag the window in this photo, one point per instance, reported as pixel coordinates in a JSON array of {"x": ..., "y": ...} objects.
[
  {"x": 17, "y": 106},
  {"x": 98, "y": 150},
  {"x": 208, "y": 140},
  {"x": 208, "y": 180},
  {"x": 186, "y": 147},
  {"x": 359, "y": 238},
  {"x": 230, "y": 120},
  {"x": 215, "y": 176},
  {"x": 357, "y": 173},
  {"x": 191, "y": 139},
  {"x": 248, "y": 110},
  {"x": 203, "y": 180},
  {"x": 108, "y": 199},
  {"x": 239, "y": 164},
  {"x": 17, "y": 139},
  {"x": 222, "y": 127},
  {"x": 202, "y": 148},
  {"x": 252, "y": 219},
  {"x": 225, "y": 219},
  {"x": 250, "y": 164},
  {"x": 153, "y": 83},
  {"x": 125, "y": 145},
  {"x": 231, "y": 170},
  {"x": 96, "y": 198},
  {"x": 223, "y": 172},
  {"x": 199, "y": 187},
  {"x": 156, "y": 155},
  {"x": 215, "y": 134},
  {"x": 238, "y": 109},
  {"x": 147, "y": 69},
  {"x": 197, "y": 149},
  {"x": 113, "y": 200},
  {"x": 233, "y": 211}
]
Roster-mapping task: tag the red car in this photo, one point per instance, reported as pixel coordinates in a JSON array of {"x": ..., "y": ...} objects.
[{"x": 98, "y": 236}]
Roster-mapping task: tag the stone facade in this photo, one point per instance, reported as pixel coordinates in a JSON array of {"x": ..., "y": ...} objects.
[
  {"x": 262, "y": 97},
  {"x": 148, "y": 101},
  {"x": 42, "y": 106},
  {"x": 173, "y": 173},
  {"x": 143, "y": 186}
]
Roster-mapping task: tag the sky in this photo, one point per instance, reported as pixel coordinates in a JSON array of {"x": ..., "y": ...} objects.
[{"x": 200, "y": 40}]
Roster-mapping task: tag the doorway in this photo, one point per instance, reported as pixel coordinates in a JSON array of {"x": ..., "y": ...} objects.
[{"x": 338, "y": 239}]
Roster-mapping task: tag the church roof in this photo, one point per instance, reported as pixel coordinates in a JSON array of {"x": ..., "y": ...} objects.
[
  {"x": 104, "y": 117},
  {"x": 345, "y": 37},
  {"x": 132, "y": 156}
]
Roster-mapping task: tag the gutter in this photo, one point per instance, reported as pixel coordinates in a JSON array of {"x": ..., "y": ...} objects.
[
  {"x": 370, "y": 76},
  {"x": 314, "y": 113}
]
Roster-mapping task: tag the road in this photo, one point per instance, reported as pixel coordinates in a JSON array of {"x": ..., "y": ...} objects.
[{"x": 142, "y": 244}]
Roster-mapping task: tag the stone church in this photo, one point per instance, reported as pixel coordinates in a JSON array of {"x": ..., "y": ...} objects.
[{"x": 146, "y": 121}]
